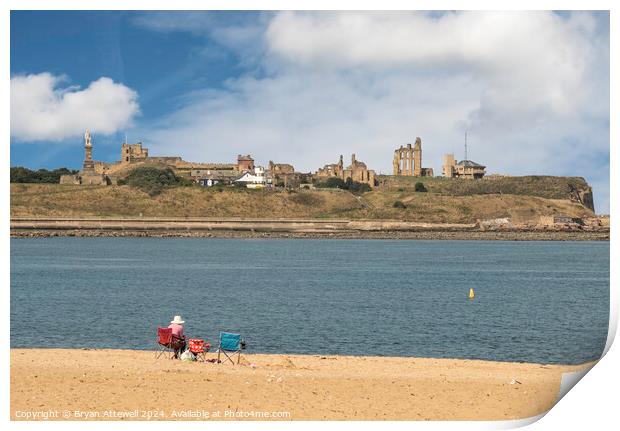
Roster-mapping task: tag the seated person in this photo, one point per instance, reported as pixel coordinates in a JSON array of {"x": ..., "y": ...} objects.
[{"x": 178, "y": 339}]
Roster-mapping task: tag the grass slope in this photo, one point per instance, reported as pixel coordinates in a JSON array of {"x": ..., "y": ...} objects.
[
  {"x": 111, "y": 201},
  {"x": 534, "y": 185},
  {"x": 55, "y": 200}
]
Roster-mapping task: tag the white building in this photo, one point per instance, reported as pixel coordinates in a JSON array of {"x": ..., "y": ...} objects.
[{"x": 254, "y": 180}]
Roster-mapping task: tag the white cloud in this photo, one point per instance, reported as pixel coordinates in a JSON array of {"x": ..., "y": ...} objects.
[
  {"x": 531, "y": 88},
  {"x": 42, "y": 110},
  {"x": 310, "y": 119},
  {"x": 530, "y": 60}
]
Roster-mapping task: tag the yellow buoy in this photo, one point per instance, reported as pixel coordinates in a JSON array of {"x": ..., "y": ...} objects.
[{"x": 471, "y": 293}]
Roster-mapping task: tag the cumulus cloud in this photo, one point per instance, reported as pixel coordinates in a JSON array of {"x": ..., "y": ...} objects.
[
  {"x": 531, "y": 89},
  {"x": 530, "y": 60},
  {"x": 310, "y": 119},
  {"x": 41, "y": 109}
]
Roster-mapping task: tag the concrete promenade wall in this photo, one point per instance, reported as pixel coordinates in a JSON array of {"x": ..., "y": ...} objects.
[{"x": 228, "y": 224}]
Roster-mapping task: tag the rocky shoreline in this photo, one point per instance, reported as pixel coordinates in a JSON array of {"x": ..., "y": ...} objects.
[
  {"x": 296, "y": 228},
  {"x": 513, "y": 235}
]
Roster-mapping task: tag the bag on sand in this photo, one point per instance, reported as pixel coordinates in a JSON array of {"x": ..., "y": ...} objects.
[{"x": 187, "y": 356}]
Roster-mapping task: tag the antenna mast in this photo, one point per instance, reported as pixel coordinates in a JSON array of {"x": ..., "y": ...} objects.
[{"x": 465, "y": 144}]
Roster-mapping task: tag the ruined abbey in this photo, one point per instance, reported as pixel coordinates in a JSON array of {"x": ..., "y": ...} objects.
[{"x": 408, "y": 161}]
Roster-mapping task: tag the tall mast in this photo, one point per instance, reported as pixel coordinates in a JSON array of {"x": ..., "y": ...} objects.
[{"x": 465, "y": 144}]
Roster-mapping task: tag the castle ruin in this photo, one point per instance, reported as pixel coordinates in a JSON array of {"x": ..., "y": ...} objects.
[
  {"x": 133, "y": 152},
  {"x": 357, "y": 171}
]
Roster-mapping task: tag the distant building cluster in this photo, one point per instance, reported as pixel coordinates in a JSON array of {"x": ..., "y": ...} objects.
[
  {"x": 407, "y": 161},
  {"x": 462, "y": 169}
]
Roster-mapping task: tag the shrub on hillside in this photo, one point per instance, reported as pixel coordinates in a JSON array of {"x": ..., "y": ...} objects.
[
  {"x": 306, "y": 198},
  {"x": 332, "y": 183},
  {"x": 356, "y": 187},
  {"x": 19, "y": 174},
  {"x": 399, "y": 204},
  {"x": 184, "y": 181},
  {"x": 153, "y": 180},
  {"x": 419, "y": 187},
  {"x": 349, "y": 184}
]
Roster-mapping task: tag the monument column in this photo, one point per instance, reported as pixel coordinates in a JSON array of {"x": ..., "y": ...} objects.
[
  {"x": 88, "y": 166},
  {"x": 88, "y": 146}
]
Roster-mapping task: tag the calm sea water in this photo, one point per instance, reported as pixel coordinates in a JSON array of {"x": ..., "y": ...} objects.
[{"x": 542, "y": 302}]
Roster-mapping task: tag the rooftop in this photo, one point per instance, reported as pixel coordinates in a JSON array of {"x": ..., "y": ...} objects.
[{"x": 470, "y": 164}]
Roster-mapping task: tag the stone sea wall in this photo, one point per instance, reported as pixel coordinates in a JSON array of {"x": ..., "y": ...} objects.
[{"x": 297, "y": 228}]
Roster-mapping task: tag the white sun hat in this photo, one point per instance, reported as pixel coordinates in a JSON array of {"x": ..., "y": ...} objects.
[{"x": 178, "y": 320}]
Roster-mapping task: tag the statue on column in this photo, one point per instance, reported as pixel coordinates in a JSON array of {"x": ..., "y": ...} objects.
[
  {"x": 88, "y": 149},
  {"x": 88, "y": 146}
]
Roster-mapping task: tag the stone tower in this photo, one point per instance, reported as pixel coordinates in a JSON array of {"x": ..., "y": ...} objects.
[{"x": 417, "y": 158}]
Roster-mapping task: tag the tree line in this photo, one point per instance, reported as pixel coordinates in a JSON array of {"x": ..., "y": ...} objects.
[{"x": 19, "y": 174}]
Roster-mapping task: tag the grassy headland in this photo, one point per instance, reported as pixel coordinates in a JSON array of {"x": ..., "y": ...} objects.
[{"x": 523, "y": 199}]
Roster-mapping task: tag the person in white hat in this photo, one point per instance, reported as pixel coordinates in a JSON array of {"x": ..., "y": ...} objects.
[{"x": 178, "y": 339}]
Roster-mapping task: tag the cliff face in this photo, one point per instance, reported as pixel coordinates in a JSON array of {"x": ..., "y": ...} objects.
[{"x": 586, "y": 198}]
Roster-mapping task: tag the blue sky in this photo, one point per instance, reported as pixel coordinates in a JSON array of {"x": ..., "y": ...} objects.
[
  {"x": 84, "y": 46},
  {"x": 531, "y": 88}
]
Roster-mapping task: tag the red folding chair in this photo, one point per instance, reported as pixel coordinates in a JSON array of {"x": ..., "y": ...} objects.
[
  {"x": 164, "y": 341},
  {"x": 199, "y": 348}
]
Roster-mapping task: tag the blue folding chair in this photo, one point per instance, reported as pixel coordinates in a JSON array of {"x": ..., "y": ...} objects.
[{"x": 230, "y": 345}]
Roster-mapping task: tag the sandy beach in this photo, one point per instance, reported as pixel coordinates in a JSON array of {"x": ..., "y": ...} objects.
[{"x": 65, "y": 384}]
